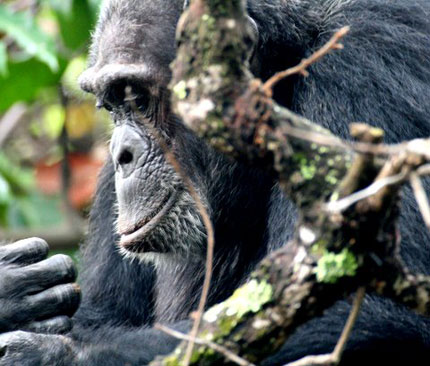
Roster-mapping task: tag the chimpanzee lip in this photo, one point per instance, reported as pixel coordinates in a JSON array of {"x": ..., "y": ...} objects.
[{"x": 135, "y": 234}]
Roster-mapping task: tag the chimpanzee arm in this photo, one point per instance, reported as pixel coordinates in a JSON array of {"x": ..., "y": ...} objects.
[{"x": 107, "y": 346}]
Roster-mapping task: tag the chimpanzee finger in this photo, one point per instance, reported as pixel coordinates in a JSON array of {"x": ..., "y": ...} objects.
[
  {"x": 53, "y": 271},
  {"x": 25, "y": 251},
  {"x": 57, "y": 325},
  {"x": 58, "y": 300}
]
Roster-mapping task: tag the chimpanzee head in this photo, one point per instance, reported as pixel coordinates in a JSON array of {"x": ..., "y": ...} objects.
[{"x": 128, "y": 72}]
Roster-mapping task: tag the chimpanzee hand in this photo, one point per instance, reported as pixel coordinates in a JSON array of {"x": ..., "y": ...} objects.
[
  {"x": 32, "y": 349},
  {"x": 36, "y": 294}
]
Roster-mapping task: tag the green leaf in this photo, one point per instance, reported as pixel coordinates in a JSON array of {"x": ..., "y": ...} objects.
[
  {"x": 3, "y": 59},
  {"x": 19, "y": 180},
  {"x": 61, "y": 6},
  {"x": 75, "y": 20},
  {"x": 75, "y": 68},
  {"x": 5, "y": 193},
  {"x": 95, "y": 7},
  {"x": 21, "y": 27},
  {"x": 53, "y": 120},
  {"x": 25, "y": 80}
]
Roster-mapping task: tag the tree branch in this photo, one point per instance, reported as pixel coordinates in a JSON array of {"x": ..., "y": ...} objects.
[{"x": 333, "y": 252}]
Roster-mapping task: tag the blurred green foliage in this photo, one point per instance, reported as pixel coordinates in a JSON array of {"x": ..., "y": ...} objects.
[
  {"x": 28, "y": 36},
  {"x": 20, "y": 204},
  {"x": 37, "y": 45},
  {"x": 43, "y": 43}
]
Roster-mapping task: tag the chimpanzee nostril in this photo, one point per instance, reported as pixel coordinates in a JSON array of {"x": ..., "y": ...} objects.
[
  {"x": 126, "y": 157},
  {"x": 128, "y": 149}
]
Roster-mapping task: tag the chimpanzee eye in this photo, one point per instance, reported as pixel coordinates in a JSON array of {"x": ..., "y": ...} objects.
[
  {"x": 115, "y": 94},
  {"x": 142, "y": 101},
  {"x": 125, "y": 92},
  {"x": 136, "y": 97}
]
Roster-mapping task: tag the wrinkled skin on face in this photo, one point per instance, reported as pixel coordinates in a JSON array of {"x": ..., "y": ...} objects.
[{"x": 155, "y": 211}]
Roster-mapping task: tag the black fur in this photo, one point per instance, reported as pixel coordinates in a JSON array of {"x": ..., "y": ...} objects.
[{"x": 382, "y": 77}]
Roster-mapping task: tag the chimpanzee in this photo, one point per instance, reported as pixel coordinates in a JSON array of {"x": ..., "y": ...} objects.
[{"x": 144, "y": 258}]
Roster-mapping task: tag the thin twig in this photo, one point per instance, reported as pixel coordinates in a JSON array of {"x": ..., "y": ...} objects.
[
  {"x": 335, "y": 357},
  {"x": 216, "y": 347},
  {"x": 344, "y": 203},
  {"x": 340, "y": 346},
  {"x": 332, "y": 44},
  {"x": 423, "y": 170},
  {"x": 171, "y": 159},
  {"x": 333, "y": 141},
  {"x": 318, "y": 360},
  {"x": 421, "y": 197}
]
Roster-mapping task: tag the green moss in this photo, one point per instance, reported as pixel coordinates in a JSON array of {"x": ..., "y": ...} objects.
[
  {"x": 319, "y": 248},
  {"x": 172, "y": 361},
  {"x": 334, "y": 197},
  {"x": 216, "y": 124},
  {"x": 331, "y": 177},
  {"x": 308, "y": 171},
  {"x": 250, "y": 298},
  {"x": 180, "y": 90},
  {"x": 210, "y": 21},
  {"x": 333, "y": 266},
  {"x": 307, "y": 168}
]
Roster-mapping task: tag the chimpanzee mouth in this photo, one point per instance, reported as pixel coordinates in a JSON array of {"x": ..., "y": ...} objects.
[{"x": 132, "y": 237}]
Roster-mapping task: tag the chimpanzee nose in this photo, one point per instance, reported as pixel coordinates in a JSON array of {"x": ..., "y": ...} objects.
[{"x": 127, "y": 148}]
